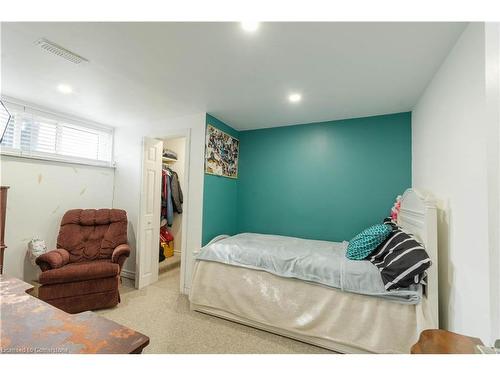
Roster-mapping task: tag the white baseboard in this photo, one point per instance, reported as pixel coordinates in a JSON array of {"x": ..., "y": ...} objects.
[
  {"x": 177, "y": 251},
  {"x": 128, "y": 274}
]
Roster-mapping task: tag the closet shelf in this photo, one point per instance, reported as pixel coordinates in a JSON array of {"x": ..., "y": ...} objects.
[{"x": 168, "y": 160}]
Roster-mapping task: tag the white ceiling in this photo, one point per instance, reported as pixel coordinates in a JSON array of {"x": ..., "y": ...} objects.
[{"x": 146, "y": 72}]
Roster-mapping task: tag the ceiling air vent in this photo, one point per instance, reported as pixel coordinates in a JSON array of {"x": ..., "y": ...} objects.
[{"x": 57, "y": 50}]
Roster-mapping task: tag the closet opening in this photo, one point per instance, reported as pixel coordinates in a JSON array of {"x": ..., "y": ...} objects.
[
  {"x": 172, "y": 204},
  {"x": 163, "y": 219}
]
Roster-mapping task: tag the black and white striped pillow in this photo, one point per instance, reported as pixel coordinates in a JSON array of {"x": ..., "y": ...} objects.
[
  {"x": 401, "y": 260},
  {"x": 388, "y": 221}
]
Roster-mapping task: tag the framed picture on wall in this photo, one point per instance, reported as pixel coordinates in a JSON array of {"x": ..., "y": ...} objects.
[{"x": 221, "y": 153}]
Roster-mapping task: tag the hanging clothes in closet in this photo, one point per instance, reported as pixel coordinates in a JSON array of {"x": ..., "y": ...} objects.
[
  {"x": 167, "y": 207},
  {"x": 171, "y": 202},
  {"x": 177, "y": 197},
  {"x": 171, "y": 195}
]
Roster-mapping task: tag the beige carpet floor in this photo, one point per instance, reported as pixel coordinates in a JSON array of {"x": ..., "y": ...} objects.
[
  {"x": 162, "y": 313},
  {"x": 170, "y": 263}
]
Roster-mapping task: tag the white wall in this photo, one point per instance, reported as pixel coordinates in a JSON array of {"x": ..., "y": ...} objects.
[
  {"x": 450, "y": 154},
  {"x": 40, "y": 193},
  {"x": 178, "y": 145},
  {"x": 492, "y": 45},
  {"x": 128, "y": 154}
]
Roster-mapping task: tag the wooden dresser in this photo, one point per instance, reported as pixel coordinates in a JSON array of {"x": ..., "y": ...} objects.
[
  {"x": 29, "y": 325},
  {"x": 439, "y": 341}
]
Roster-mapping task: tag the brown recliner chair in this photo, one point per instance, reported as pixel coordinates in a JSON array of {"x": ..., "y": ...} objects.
[{"x": 83, "y": 273}]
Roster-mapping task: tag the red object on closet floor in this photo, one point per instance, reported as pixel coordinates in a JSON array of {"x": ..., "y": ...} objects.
[{"x": 166, "y": 242}]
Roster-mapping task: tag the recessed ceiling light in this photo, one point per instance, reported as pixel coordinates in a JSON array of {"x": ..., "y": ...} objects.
[
  {"x": 295, "y": 98},
  {"x": 64, "y": 88},
  {"x": 250, "y": 26}
]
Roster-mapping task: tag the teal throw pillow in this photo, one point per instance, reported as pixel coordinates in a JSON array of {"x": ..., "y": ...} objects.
[{"x": 365, "y": 242}]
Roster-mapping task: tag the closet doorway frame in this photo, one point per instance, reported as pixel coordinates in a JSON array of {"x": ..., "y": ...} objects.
[{"x": 181, "y": 133}]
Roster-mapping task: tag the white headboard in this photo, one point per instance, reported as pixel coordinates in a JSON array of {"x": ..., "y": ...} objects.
[{"x": 418, "y": 216}]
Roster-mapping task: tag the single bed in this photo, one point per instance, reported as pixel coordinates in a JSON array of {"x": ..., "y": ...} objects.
[{"x": 338, "y": 320}]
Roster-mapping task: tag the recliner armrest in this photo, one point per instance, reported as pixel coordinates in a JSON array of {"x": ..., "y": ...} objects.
[
  {"x": 53, "y": 259},
  {"x": 120, "y": 253}
]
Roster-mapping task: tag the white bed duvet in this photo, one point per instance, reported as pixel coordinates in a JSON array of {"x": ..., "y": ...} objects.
[
  {"x": 309, "y": 312},
  {"x": 321, "y": 262}
]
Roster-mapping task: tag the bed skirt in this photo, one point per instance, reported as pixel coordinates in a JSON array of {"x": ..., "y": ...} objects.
[{"x": 312, "y": 313}]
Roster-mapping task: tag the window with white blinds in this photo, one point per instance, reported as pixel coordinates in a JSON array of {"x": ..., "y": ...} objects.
[{"x": 36, "y": 134}]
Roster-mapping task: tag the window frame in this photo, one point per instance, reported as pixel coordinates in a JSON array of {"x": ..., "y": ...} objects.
[{"x": 16, "y": 106}]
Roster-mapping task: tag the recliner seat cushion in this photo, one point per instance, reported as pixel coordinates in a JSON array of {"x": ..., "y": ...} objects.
[
  {"x": 92, "y": 234},
  {"x": 85, "y": 302},
  {"x": 80, "y": 272},
  {"x": 77, "y": 288}
]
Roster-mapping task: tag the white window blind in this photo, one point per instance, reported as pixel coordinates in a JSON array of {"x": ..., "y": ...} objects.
[{"x": 42, "y": 135}]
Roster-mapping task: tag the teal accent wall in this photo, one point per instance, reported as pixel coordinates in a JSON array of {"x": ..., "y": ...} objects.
[
  {"x": 219, "y": 197},
  {"x": 325, "y": 181}
]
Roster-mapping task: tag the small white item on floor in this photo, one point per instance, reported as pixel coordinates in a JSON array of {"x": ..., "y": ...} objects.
[{"x": 36, "y": 247}]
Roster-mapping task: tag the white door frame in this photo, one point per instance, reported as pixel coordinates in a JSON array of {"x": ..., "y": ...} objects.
[{"x": 185, "y": 133}]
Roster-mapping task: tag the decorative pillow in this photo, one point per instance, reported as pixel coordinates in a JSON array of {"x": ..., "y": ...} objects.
[
  {"x": 390, "y": 222},
  {"x": 401, "y": 260},
  {"x": 365, "y": 242}
]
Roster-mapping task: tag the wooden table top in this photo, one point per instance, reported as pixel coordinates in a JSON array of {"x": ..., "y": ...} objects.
[
  {"x": 29, "y": 325},
  {"x": 439, "y": 341}
]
